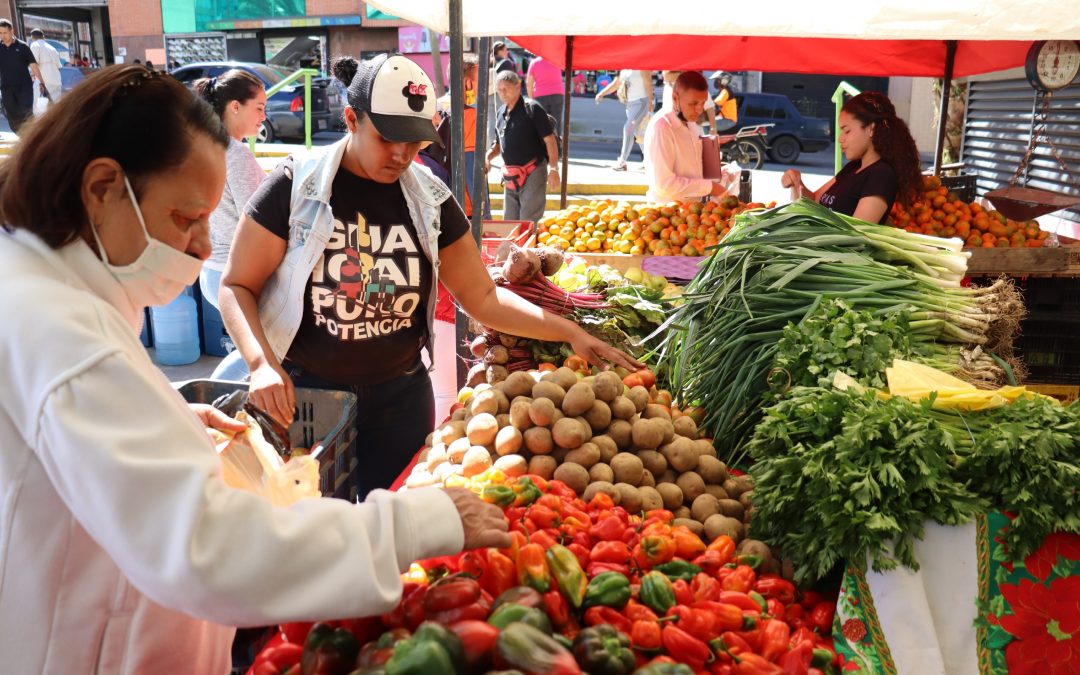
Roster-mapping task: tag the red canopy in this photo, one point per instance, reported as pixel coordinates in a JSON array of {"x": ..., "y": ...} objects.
[{"x": 831, "y": 56}]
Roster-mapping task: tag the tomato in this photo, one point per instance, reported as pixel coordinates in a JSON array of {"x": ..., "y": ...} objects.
[{"x": 648, "y": 379}]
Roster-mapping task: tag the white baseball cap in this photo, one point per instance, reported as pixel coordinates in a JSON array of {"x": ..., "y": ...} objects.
[{"x": 398, "y": 97}]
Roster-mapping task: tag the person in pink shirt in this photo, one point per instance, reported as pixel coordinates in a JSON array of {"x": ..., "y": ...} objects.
[{"x": 545, "y": 85}]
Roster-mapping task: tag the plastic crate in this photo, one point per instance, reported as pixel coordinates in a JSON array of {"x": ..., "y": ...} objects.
[
  {"x": 1049, "y": 348},
  {"x": 962, "y": 185},
  {"x": 1052, "y": 295},
  {"x": 497, "y": 232},
  {"x": 325, "y": 422},
  {"x": 215, "y": 339}
]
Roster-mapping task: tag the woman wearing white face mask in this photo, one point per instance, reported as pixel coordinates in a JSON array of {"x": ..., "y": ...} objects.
[{"x": 124, "y": 549}]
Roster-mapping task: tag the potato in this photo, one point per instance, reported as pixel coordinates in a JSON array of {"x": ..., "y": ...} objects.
[
  {"x": 704, "y": 506},
  {"x": 746, "y": 483},
  {"x": 483, "y": 386},
  {"x": 695, "y": 527},
  {"x": 482, "y": 429},
  {"x": 607, "y": 386},
  {"x": 650, "y": 499},
  {"x": 622, "y": 408},
  {"x": 538, "y": 440},
  {"x": 639, "y": 396},
  {"x": 731, "y": 508},
  {"x": 705, "y": 448},
  {"x": 549, "y": 390},
  {"x": 458, "y": 415},
  {"x": 621, "y": 432},
  {"x": 585, "y": 428},
  {"x": 627, "y": 468},
  {"x": 630, "y": 498},
  {"x": 599, "y": 416},
  {"x": 579, "y": 399},
  {"x": 566, "y": 378},
  {"x": 504, "y": 401},
  {"x": 557, "y": 416},
  {"x": 747, "y": 499},
  {"x": 541, "y": 412},
  {"x": 519, "y": 415},
  {"x": 671, "y": 494},
  {"x": 733, "y": 488},
  {"x": 646, "y": 435},
  {"x": 716, "y": 491},
  {"x": 680, "y": 454},
  {"x": 436, "y": 456},
  {"x": 755, "y": 547},
  {"x": 444, "y": 471},
  {"x": 692, "y": 486},
  {"x": 719, "y": 525},
  {"x": 477, "y": 375},
  {"x": 682, "y": 512},
  {"x": 421, "y": 479},
  {"x": 495, "y": 373},
  {"x": 684, "y": 426},
  {"x": 512, "y": 465},
  {"x": 560, "y": 454},
  {"x": 543, "y": 466},
  {"x": 653, "y": 410},
  {"x": 668, "y": 476},
  {"x": 549, "y": 376},
  {"x": 449, "y": 432},
  {"x": 574, "y": 475},
  {"x": 518, "y": 384},
  {"x": 455, "y": 452},
  {"x": 520, "y": 399},
  {"x": 601, "y": 472},
  {"x": 608, "y": 448},
  {"x": 647, "y": 479},
  {"x": 712, "y": 470},
  {"x": 597, "y": 487},
  {"x": 503, "y": 420},
  {"x": 653, "y": 461},
  {"x": 568, "y": 433},
  {"x": 507, "y": 441},
  {"x": 667, "y": 429},
  {"x": 477, "y": 460},
  {"x": 587, "y": 455}
]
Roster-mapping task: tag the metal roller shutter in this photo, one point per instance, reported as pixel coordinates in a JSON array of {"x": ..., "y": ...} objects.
[{"x": 996, "y": 132}]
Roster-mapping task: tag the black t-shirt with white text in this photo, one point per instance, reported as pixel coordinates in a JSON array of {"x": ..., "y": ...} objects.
[
  {"x": 877, "y": 180},
  {"x": 365, "y": 318}
]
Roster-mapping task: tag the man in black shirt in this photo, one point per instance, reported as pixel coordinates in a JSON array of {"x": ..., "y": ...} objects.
[
  {"x": 16, "y": 85},
  {"x": 526, "y": 140}
]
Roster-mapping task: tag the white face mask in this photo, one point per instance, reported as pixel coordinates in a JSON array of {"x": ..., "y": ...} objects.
[{"x": 159, "y": 274}]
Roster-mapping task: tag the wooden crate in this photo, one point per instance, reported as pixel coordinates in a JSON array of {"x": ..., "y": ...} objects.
[
  {"x": 1019, "y": 262},
  {"x": 1066, "y": 393}
]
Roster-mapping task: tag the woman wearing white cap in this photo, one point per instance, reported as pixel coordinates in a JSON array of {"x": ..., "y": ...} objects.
[{"x": 331, "y": 282}]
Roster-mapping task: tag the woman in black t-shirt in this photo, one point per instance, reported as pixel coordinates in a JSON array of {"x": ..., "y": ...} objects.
[
  {"x": 883, "y": 162},
  {"x": 365, "y": 310}
]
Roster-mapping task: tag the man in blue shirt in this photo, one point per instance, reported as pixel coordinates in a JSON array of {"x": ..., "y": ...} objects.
[{"x": 16, "y": 86}]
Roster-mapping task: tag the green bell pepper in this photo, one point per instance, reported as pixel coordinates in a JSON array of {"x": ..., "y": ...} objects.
[
  {"x": 329, "y": 651},
  {"x": 499, "y": 495},
  {"x": 602, "y": 650},
  {"x": 657, "y": 593},
  {"x": 447, "y": 639},
  {"x": 529, "y": 650},
  {"x": 526, "y": 492},
  {"x": 519, "y": 595},
  {"x": 665, "y": 669},
  {"x": 568, "y": 574},
  {"x": 678, "y": 569},
  {"x": 511, "y": 613},
  {"x": 420, "y": 657},
  {"x": 610, "y": 589}
]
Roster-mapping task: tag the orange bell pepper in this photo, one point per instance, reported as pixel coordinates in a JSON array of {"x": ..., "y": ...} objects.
[{"x": 687, "y": 544}]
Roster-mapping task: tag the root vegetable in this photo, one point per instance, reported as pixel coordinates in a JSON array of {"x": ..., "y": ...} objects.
[
  {"x": 653, "y": 410},
  {"x": 731, "y": 509},
  {"x": 509, "y": 341},
  {"x": 599, "y": 486},
  {"x": 747, "y": 499},
  {"x": 684, "y": 426},
  {"x": 521, "y": 266},
  {"x": 671, "y": 494},
  {"x": 599, "y": 416},
  {"x": 455, "y": 452},
  {"x": 450, "y": 432},
  {"x": 543, "y": 466},
  {"x": 587, "y": 455},
  {"x": 458, "y": 415},
  {"x": 579, "y": 400},
  {"x": 695, "y": 527},
  {"x": 639, "y": 396},
  {"x": 653, "y": 461},
  {"x": 436, "y": 456},
  {"x": 667, "y": 429},
  {"x": 627, "y": 468},
  {"x": 745, "y": 484},
  {"x": 538, "y": 440},
  {"x": 477, "y": 460},
  {"x": 551, "y": 259},
  {"x": 692, "y": 486},
  {"x": 680, "y": 454},
  {"x": 518, "y": 384},
  {"x": 568, "y": 433},
  {"x": 496, "y": 374},
  {"x": 704, "y": 506},
  {"x": 586, "y": 430},
  {"x": 650, "y": 499},
  {"x": 646, "y": 435},
  {"x": 503, "y": 400},
  {"x": 574, "y": 475},
  {"x": 607, "y": 386},
  {"x": 513, "y": 466},
  {"x": 421, "y": 479},
  {"x": 550, "y": 391},
  {"x": 560, "y": 454},
  {"x": 719, "y": 525},
  {"x": 542, "y": 412},
  {"x": 477, "y": 375},
  {"x": 507, "y": 441},
  {"x": 682, "y": 512},
  {"x": 519, "y": 415},
  {"x": 755, "y": 547},
  {"x": 497, "y": 355},
  {"x": 712, "y": 470},
  {"x": 647, "y": 479},
  {"x": 716, "y": 491},
  {"x": 445, "y": 470},
  {"x": 629, "y": 497},
  {"x": 621, "y": 432},
  {"x": 601, "y": 472},
  {"x": 668, "y": 476},
  {"x": 565, "y": 378},
  {"x": 482, "y": 429},
  {"x": 503, "y": 420},
  {"x": 608, "y": 448},
  {"x": 478, "y": 346},
  {"x": 732, "y": 488},
  {"x": 622, "y": 408}
]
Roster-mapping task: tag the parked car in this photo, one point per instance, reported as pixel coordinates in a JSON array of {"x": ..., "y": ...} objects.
[
  {"x": 69, "y": 77},
  {"x": 792, "y": 133},
  {"x": 284, "y": 109}
]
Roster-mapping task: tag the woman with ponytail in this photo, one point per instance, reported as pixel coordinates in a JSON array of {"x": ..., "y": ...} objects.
[
  {"x": 883, "y": 162},
  {"x": 239, "y": 99}
]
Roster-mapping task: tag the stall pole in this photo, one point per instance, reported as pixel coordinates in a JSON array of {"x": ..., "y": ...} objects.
[
  {"x": 479, "y": 177},
  {"x": 457, "y": 160},
  {"x": 943, "y": 115},
  {"x": 568, "y": 76}
]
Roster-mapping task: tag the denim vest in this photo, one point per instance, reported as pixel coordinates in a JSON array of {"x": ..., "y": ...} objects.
[{"x": 311, "y": 224}]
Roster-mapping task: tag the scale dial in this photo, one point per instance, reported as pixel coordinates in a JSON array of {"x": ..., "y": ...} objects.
[{"x": 1052, "y": 64}]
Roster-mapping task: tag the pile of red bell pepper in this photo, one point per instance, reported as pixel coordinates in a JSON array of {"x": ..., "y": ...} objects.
[{"x": 545, "y": 604}]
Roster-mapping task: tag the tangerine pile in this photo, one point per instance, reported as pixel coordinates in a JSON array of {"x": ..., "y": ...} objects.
[
  {"x": 939, "y": 213},
  {"x": 675, "y": 228}
]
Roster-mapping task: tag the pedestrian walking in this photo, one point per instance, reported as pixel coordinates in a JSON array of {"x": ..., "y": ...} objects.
[
  {"x": 48, "y": 61},
  {"x": 635, "y": 91},
  {"x": 545, "y": 85},
  {"x": 16, "y": 85}
]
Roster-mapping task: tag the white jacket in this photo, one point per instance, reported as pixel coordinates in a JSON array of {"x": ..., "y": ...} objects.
[{"x": 121, "y": 548}]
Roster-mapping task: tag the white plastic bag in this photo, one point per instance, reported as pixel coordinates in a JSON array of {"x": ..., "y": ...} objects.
[
  {"x": 41, "y": 104},
  {"x": 250, "y": 463}
]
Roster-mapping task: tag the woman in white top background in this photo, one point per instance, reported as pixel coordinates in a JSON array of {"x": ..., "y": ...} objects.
[{"x": 637, "y": 85}]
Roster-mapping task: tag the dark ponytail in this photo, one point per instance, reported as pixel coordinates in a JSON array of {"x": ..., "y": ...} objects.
[
  {"x": 892, "y": 140},
  {"x": 344, "y": 69},
  {"x": 232, "y": 85}
]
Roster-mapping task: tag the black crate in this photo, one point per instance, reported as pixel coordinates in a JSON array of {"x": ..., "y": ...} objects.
[
  {"x": 325, "y": 423},
  {"x": 1050, "y": 348},
  {"x": 1052, "y": 296},
  {"x": 963, "y": 186}
]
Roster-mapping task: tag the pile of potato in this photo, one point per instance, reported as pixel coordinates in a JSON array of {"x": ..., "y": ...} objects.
[{"x": 596, "y": 435}]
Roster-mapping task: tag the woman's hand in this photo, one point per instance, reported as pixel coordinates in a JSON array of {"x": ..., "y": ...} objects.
[
  {"x": 272, "y": 391},
  {"x": 600, "y": 354},
  {"x": 484, "y": 524},
  {"x": 212, "y": 418}
]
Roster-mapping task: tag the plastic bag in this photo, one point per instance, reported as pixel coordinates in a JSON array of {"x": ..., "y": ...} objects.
[
  {"x": 41, "y": 104},
  {"x": 250, "y": 463}
]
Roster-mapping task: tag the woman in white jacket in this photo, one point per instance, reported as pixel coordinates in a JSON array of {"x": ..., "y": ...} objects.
[{"x": 122, "y": 550}]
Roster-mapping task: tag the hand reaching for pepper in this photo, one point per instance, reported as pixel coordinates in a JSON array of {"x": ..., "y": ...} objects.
[{"x": 484, "y": 524}]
